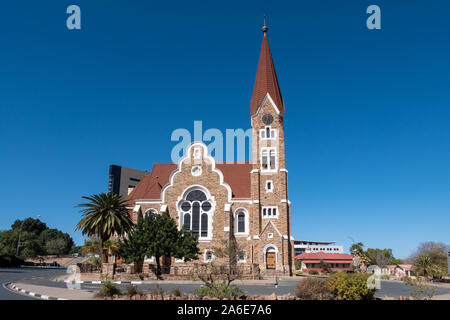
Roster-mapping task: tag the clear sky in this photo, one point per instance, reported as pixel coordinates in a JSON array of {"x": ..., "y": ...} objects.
[{"x": 367, "y": 122}]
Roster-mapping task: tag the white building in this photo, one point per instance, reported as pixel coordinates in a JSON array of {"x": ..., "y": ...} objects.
[{"x": 300, "y": 247}]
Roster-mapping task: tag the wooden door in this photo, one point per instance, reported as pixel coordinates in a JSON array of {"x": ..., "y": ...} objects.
[{"x": 271, "y": 260}]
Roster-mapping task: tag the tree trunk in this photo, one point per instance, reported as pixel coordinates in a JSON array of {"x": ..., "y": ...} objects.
[
  {"x": 158, "y": 267},
  {"x": 103, "y": 253}
]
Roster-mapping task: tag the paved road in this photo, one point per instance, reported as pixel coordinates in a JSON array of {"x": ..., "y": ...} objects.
[
  {"x": 42, "y": 277},
  {"x": 16, "y": 274},
  {"x": 388, "y": 288}
]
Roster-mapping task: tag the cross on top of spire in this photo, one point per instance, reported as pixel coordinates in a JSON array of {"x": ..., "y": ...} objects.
[{"x": 265, "y": 28}]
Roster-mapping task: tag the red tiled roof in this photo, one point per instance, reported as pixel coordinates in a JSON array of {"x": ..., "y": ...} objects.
[
  {"x": 236, "y": 175},
  {"x": 327, "y": 261},
  {"x": 324, "y": 256},
  {"x": 406, "y": 267},
  {"x": 266, "y": 80}
]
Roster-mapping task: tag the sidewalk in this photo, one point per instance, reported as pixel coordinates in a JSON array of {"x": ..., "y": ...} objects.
[
  {"x": 441, "y": 297},
  {"x": 48, "y": 293}
]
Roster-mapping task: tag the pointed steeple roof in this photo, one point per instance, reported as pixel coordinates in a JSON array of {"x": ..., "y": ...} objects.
[{"x": 266, "y": 79}]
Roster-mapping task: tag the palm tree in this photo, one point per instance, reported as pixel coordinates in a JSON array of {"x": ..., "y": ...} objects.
[
  {"x": 104, "y": 216},
  {"x": 425, "y": 267},
  {"x": 357, "y": 251}
]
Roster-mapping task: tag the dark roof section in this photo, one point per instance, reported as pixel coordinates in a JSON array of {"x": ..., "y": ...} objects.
[{"x": 266, "y": 80}]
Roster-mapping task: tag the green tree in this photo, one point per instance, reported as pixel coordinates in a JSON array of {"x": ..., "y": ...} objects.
[
  {"x": 56, "y": 241},
  {"x": 134, "y": 248},
  {"x": 381, "y": 257},
  {"x": 424, "y": 266},
  {"x": 33, "y": 239},
  {"x": 430, "y": 255},
  {"x": 167, "y": 241},
  {"x": 104, "y": 216},
  {"x": 157, "y": 235},
  {"x": 56, "y": 246},
  {"x": 357, "y": 251}
]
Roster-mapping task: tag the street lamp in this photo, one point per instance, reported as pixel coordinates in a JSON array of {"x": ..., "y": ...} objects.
[{"x": 20, "y": 231}]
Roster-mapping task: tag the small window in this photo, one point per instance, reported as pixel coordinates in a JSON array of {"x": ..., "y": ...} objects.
[
  {"x": 269, "y": 212},
  {"x": 267, "y": 133},
  {"x": 269, "y": 186},
  {"x": 208, "y": 256}
]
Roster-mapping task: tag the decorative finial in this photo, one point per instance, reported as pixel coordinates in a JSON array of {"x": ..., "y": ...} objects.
[{"x": 264, "y": 28}]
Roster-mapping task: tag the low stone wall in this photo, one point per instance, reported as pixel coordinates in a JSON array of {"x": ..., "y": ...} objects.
[{"x": 174, "y": 272}]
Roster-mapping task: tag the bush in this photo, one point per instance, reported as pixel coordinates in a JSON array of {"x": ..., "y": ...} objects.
[
  {"x": 132, "y": 291},
  {"x": 10, "y": 261},
  {"x": 298, "y": 264},
  {"x": 313, "y": 289},
  {"x": 96, "y": 261},
  {"x": 350, "y": 286},
  {"x": 313, "y": 272},
  {"x": 220, "y": 290},
  {"x": 176, "y": 292},
  {"x": 108, "y": 290},
  {"x": 385, "y": 277}
]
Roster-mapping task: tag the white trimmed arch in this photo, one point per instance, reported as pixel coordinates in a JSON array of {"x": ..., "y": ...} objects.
[{"x": 270, "y": 248}]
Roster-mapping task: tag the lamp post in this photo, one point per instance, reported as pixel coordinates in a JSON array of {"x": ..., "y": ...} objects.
[{"x": 20, "y": 231}]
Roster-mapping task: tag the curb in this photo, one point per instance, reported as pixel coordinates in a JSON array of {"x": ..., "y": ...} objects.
[
  {"x": 33, "y": 294},
  {"x": 100, "y": 282}
]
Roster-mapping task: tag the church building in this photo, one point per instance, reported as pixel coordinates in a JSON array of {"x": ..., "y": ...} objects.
[{"x": 248, "y": 201}]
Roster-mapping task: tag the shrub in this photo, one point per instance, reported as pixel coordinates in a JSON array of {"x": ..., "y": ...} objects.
[
  {"x": 313, "y": 289},
  {"x": 220, "y": 290},
  {"x": 10, "y": 261},
  {"x": 385, "y": 277},
  {"x": 96, "y": 261},
  {"x": 158, "y": 291},
  {"x": 132, "y": 291},
  {"x": 108, "y": 290},
  {"x": 350, "y": 286},
  {"x": 176, "y": 292},
  {"x": 298, "y": 264},
  {"x": 313, "y": 272}
]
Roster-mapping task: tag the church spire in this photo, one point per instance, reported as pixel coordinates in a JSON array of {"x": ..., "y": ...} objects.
[{"x": 266, "y": 78}]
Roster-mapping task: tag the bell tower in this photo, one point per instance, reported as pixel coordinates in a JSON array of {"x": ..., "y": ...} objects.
[{"x": 270, "y": 203}]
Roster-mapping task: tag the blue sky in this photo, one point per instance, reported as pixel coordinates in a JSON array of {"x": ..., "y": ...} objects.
[{"x": 367, "y": 121}]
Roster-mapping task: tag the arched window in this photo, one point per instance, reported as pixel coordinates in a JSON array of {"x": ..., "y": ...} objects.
[
  {"x": 196, "y": 208},
  {"x": 151, "y": 210},
  {"x": 241, "y": 222}
]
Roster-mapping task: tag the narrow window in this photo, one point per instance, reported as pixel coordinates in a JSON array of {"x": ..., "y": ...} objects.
[
  {"x": 204, "y": 225},
  {"x": 187, "y": 221},
  {"x": 241, "y": 222},
  {"x": 272, "y": 159},
  {"x": 195, "y": 218},
  {"x": 264, "y": 160}
]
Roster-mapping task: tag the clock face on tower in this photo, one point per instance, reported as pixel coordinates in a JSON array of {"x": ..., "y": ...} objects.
[{"x": 267, "y": 119}]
